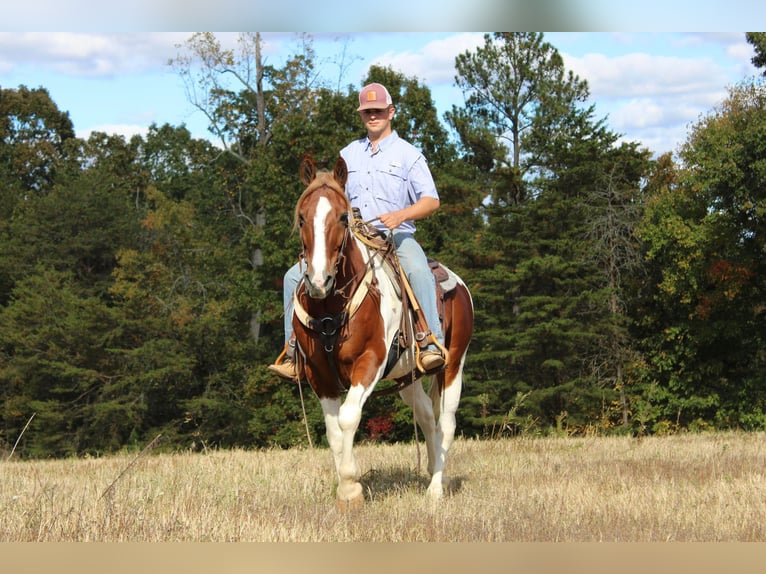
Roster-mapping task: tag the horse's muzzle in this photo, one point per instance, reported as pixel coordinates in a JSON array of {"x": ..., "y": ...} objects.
[{"x": 319, "y": 288}]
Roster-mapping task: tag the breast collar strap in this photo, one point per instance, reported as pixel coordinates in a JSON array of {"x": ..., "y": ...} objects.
[{"x": 351, "y": 308}]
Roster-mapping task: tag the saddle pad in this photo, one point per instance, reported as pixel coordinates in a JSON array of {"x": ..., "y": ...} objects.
[{"x": 443, "y": 275}]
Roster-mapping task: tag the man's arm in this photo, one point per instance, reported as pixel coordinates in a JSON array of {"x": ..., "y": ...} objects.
[{"x": 424, "y": 207}]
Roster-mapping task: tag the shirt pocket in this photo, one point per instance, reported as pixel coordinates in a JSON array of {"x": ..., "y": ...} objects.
[
  {"x": 392, "y": 190},
  {"x": 394, "y": 171},
  {"x": 353, "y": 184}
]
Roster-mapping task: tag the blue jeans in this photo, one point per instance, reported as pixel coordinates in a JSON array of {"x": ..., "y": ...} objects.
[{"x": 415, "y": 265}]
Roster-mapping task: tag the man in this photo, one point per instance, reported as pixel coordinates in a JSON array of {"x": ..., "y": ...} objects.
[{"x": 390, "y": 183}]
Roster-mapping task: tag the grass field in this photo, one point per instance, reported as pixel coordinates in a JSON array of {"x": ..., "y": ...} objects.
[{"x": 691, "y": 487}]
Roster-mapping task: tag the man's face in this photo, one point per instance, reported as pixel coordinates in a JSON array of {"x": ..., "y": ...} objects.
[{"x": 377, "y": 120}]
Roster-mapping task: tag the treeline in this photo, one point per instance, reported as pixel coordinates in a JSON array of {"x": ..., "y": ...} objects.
[{"x": 616, "y": 290}]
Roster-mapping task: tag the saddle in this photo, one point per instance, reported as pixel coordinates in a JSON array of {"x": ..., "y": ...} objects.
[{"x": 445, "y": 281}]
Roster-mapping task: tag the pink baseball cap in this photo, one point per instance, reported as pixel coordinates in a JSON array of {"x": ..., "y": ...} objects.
[{"x": 374, "y": 96}]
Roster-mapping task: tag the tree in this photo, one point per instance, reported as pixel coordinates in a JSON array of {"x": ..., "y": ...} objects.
[
  {"x": 80, "y": 221},
  {"x": 614, "y": 210},
  {"x": 180, "y": 348},
  {"x": 548, "y": 287},
  {"x": 704, "y": 236},
  {"x": 55, "y": 363},
  {"x": 758, "y": 41},
  {"x": 34, "y": 137},
  {"x": 33, "y": 134},
  {"x": 247, "y": 102},
  {"x": 515, "y": 85}
]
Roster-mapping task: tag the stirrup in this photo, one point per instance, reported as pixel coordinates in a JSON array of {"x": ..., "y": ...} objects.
[
  {"x": 287, "y": 369},
  {"x": 285, "y": 365},
  {"x": 431, "y": 361},
  {"x": 433, "y": 365}
]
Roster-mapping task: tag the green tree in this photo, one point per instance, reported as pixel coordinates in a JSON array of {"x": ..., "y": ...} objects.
[
  {"x": 34, "y": 138},
  {"x": 33, "y": 134},
  {"x": 546, "y": 292},
  {"x": 81, "y": 221},
  {"x": 704, "y": 237},
  {"x": 515, "y": 85},
  {"x": 55, "y": 363},
  {"x": 758, "y": 41}
]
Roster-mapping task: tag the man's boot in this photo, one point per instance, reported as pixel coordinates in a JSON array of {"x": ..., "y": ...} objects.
[
  {"x": 285, "y": 365},
  {"x": 431, "y": 359}
]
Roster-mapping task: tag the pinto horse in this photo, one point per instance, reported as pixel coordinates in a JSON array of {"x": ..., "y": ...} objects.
[{"x": 347, "y": 320}]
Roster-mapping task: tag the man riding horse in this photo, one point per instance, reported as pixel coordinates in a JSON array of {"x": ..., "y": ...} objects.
[{"x": 389, "y": 182}]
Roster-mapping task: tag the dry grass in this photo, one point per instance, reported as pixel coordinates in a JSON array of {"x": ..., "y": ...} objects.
[{"x": 678, "y": 488}]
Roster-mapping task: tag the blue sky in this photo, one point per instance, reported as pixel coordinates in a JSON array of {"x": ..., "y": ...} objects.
[{"x": 651, "y": 86}]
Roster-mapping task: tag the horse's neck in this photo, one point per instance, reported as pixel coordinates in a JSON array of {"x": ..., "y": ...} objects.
[{"x": 352, "y": 267}]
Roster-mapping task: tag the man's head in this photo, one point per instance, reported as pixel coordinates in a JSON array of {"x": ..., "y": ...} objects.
[{"x": 376, "y": 110}]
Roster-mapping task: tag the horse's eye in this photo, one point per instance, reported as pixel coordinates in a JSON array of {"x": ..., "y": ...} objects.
[
  {"x": 344, "y": 219},
  {"x": 300, "y": 221}
]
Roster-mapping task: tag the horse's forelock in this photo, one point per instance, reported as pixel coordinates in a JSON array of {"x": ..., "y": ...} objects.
[{"x": 322, "y": 179}]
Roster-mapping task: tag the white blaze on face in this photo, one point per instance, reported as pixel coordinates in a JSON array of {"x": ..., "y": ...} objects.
[{"x": 318, "y": 262}]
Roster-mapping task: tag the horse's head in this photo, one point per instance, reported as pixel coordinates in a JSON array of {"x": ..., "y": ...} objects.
[{"x": 322, "y": 216}]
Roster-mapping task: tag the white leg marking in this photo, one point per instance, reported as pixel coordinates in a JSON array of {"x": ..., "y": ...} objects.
[
  {"x": 445, "y": 432},
  {"x": 349, "y": 416},
  {"x": 416, "y": 398},
  {"x": 330, "y": 409}
]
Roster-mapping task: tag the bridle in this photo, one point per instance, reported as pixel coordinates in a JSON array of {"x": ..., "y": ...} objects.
[{"x": 327, "y": 328}]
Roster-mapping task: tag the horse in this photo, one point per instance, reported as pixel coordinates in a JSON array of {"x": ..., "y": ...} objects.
[{"x": 347, "y": 319}]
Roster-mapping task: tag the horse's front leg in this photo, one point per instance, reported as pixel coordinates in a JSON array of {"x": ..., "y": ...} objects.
[
  {"x": 330, "y": 408},
  {"x": 349, "y": 416},
  {"x": 364, "y": 373}
]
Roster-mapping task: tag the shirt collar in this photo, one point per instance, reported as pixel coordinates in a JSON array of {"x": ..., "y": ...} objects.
[{"x": 382, "y": 144}]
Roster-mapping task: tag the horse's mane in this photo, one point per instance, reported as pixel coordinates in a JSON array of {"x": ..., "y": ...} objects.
[{"x": 322, "y": 179}]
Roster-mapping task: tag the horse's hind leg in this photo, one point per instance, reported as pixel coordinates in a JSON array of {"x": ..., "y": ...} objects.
[
  {"x": 446, "y": 404},
  {"x": 416, "y": 398}
]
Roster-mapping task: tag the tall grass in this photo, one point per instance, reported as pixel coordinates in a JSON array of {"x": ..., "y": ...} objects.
[{"x": 702, "y": 487}]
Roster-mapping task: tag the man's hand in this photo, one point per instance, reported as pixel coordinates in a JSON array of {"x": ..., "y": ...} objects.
[
  {"x": 392, "y": 220},
  {"x": 420, "y": 210}
]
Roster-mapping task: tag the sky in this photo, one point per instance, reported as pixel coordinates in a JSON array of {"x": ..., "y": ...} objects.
[{"x": 651, "y": 86}]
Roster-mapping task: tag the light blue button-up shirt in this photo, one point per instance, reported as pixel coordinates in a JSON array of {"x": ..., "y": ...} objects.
[{"x": 392, "y": 178}]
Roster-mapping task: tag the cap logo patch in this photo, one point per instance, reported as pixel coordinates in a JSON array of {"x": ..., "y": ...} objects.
[{"x": 372, "y": 96}]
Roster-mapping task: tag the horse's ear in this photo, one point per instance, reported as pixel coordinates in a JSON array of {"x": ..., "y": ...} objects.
[
  {"x": 340, "y": 173},
  {"x": 308, "y": 170}
]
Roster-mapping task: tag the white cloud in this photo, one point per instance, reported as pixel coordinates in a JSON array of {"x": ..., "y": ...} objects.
[
  {"x": 434, "y": 63},
  {"x": 638, "y": 74},
  {"x": 655, "y": 98},
  {"x": 90, "y": 55}
]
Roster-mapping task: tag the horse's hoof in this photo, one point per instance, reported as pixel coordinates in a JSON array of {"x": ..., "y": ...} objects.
[
  {"x": 352, "y": 505},
  {"x": 435, "y": 492},
  {"x": 438, "y": 488}
]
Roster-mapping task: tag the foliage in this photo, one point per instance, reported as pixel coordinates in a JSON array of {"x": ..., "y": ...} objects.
[
  {"x": 141, "y": 280},
  {"x": 758, "y": 41},
  {"x": 702, "y": 318}
]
